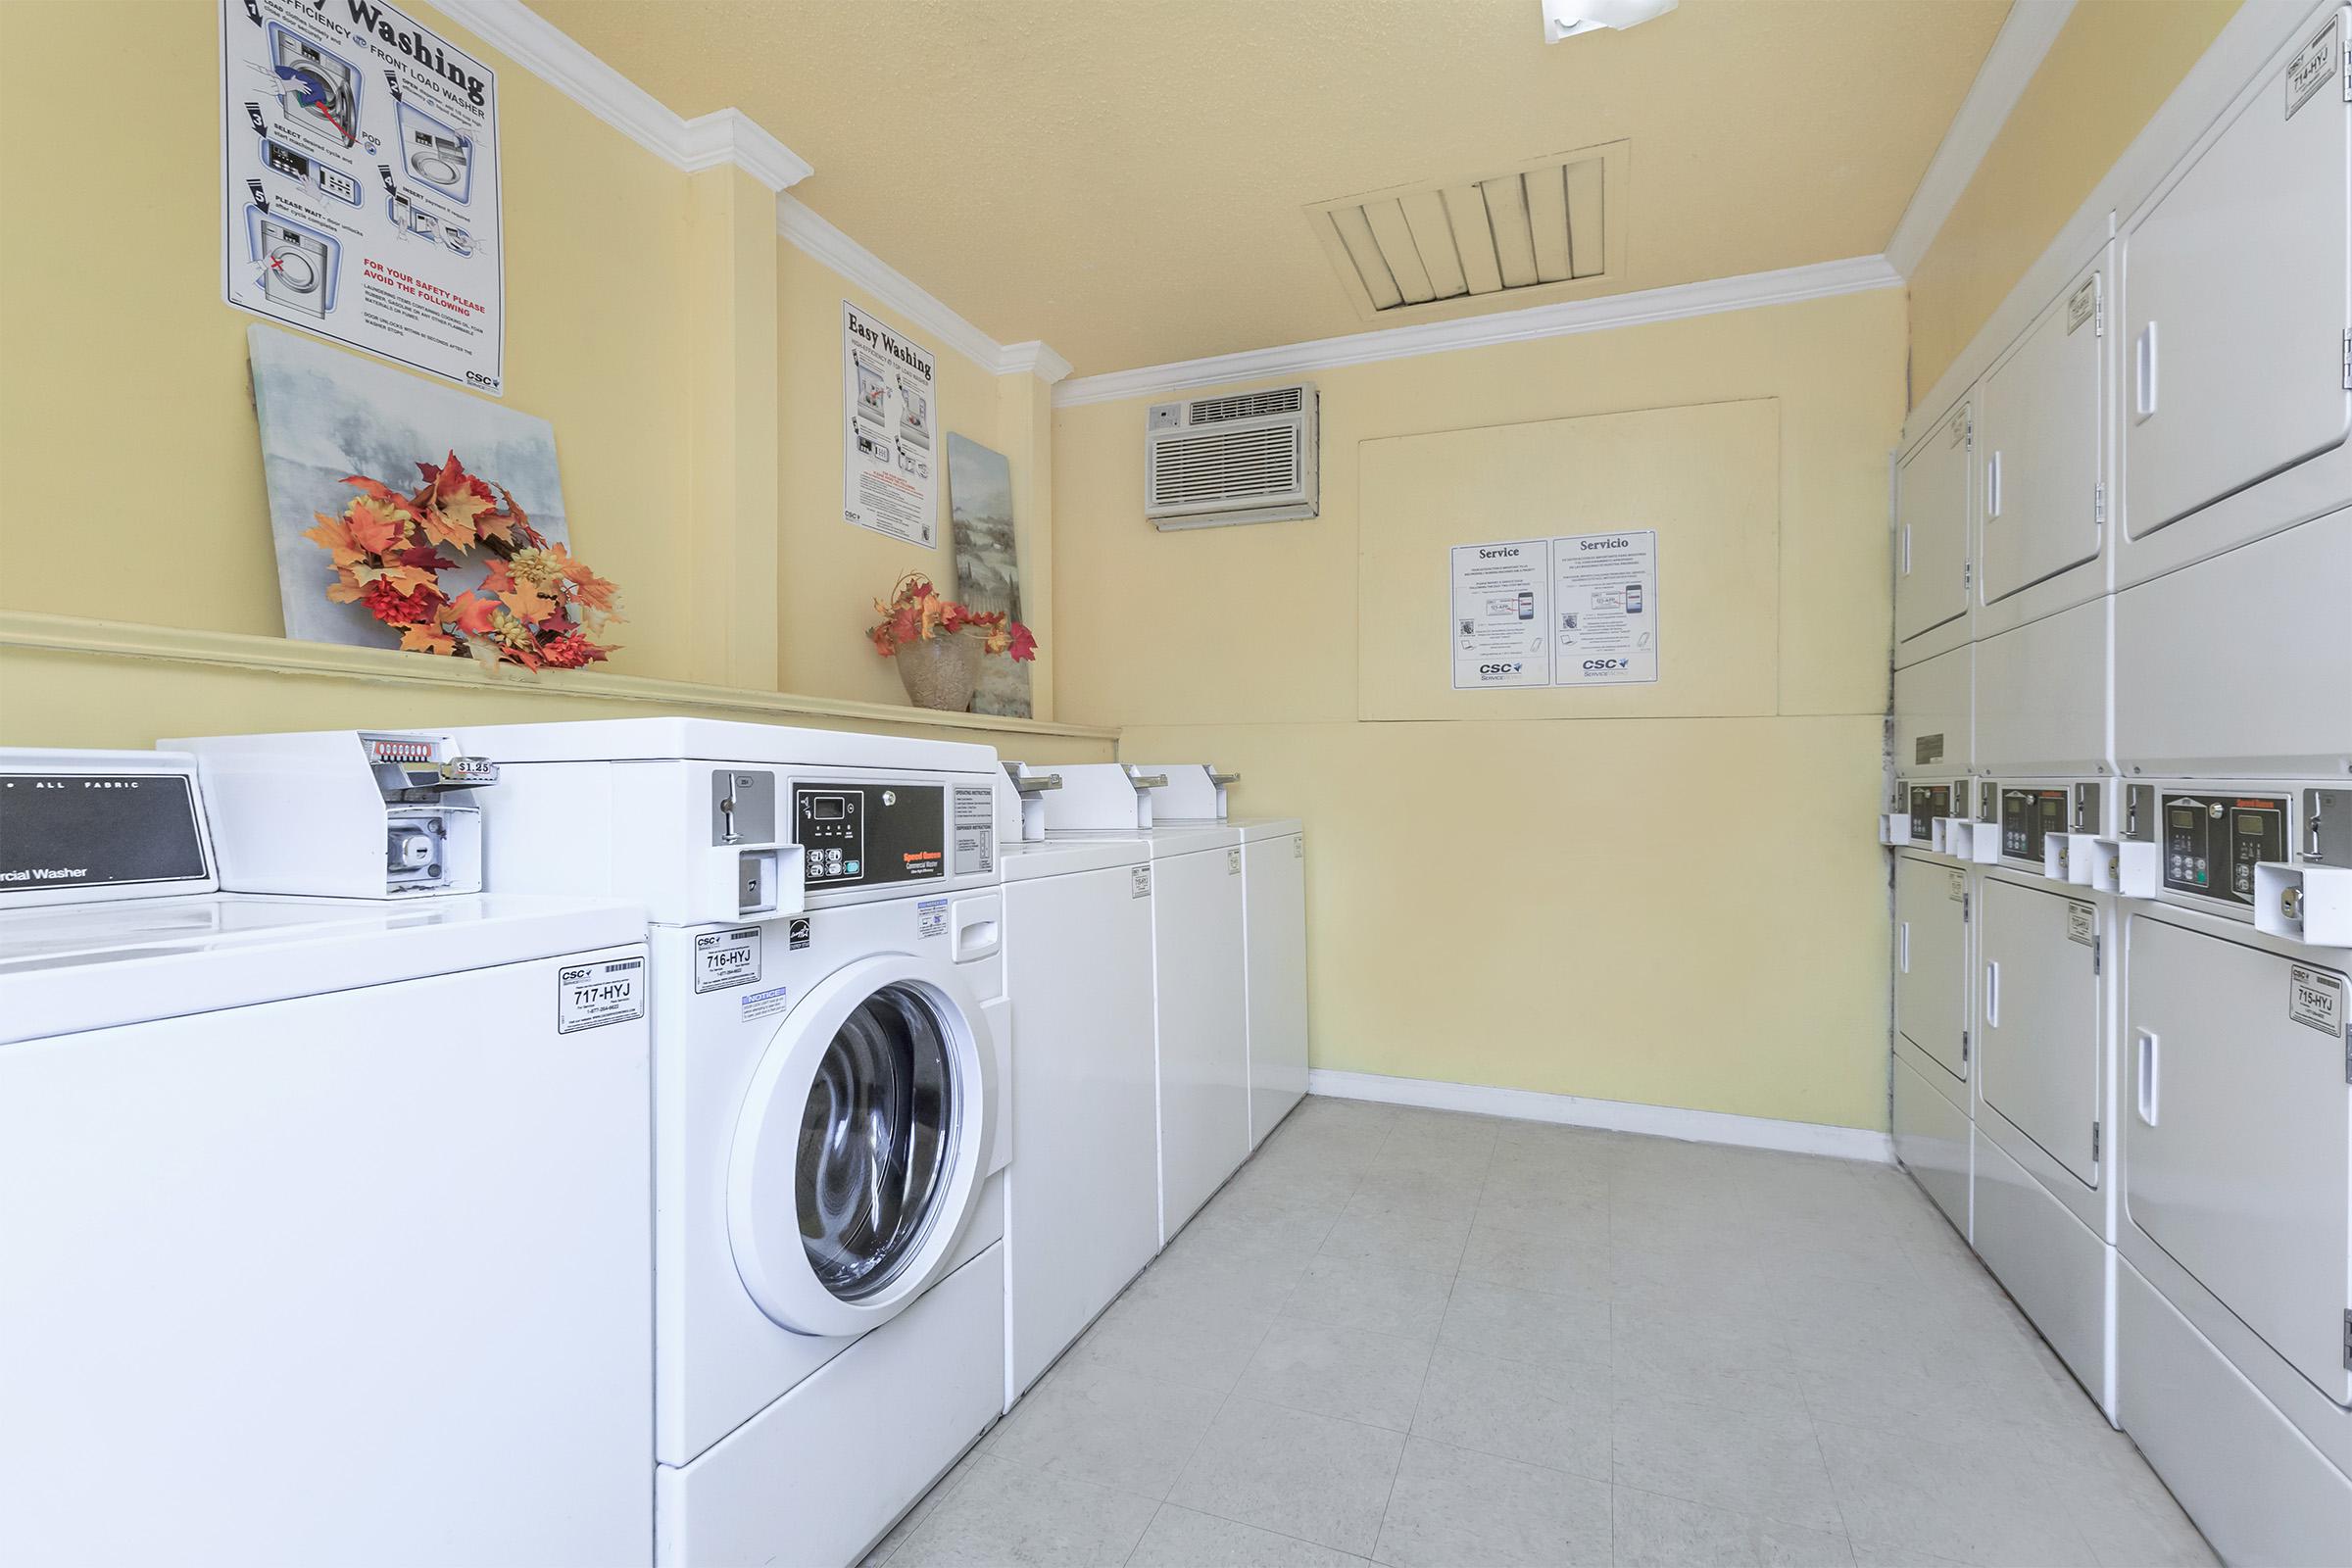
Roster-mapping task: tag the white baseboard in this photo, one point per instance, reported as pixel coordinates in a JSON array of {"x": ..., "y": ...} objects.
[{"x": 1614, "y": 1116}]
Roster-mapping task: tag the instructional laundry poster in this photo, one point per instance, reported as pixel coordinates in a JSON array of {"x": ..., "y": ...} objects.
[
  {"x": 1605, "y": 598},
  {"x": 890, "y": 455},
  {"x": 1501, "y": 606},
  {"x": 360, "y": 183}
]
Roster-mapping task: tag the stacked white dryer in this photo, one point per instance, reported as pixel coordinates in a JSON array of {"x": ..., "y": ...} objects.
[
  {"x": 2146, "y": 499},
  {"x": 1200, "y": 1006},
  {"x": 2233, "y": 725},
  {"x": 2043, "y": 1196},
  {"x": 1273, "y": 931},
  {"x": 1934, "y": 748},
  {"x": 1082, "y": 1202}
]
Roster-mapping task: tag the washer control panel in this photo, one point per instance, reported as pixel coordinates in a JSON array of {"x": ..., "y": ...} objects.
[
  {"x": 870, "y": 834},
  {"x": 2028, "y": 817},
  {"x": 2212, "y": 842}
]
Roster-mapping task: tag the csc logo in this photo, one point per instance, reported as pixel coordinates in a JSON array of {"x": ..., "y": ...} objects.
[
  {"x": 1607, "y": 663},
  {"x": 1500, "y": 670}
]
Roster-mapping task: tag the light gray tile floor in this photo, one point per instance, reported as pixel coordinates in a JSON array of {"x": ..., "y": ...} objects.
[{"x": 1418, "y": 1338}]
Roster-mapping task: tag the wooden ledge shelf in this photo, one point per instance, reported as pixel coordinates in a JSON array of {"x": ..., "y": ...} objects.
[{"x": 279, "y": 656}]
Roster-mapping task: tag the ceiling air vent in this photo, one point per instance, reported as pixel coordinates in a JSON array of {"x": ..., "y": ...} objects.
[
  {"x": 1552, "y": 229},
  {"x": 1246, "y": 458}
]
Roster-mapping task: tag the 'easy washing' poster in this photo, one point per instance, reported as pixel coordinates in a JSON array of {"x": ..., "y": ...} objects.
[
  {"x": 360, "y": 183},
  {"x": 890, "y": 463}
]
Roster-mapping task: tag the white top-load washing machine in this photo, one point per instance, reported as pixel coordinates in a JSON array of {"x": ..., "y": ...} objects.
[
  {"x": 1082, "y": 1202},
  {"x": 327, "y": 1230},
  {"x": 830, "y": 1060},
  {"x": 1200, "y": 1012},
  {"x": 1273, "y": 930}
]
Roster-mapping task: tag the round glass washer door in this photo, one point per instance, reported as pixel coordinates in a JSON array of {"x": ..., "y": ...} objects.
[{"x": 856, "y": 1160}]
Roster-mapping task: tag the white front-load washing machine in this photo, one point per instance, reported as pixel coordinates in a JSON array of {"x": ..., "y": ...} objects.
[
  {"x": 830, "y": 1062},
  {"x": 327, "y": 1221},
  {"x": 1199, "y": 1005}
]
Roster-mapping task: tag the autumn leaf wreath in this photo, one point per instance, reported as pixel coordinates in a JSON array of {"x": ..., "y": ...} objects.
[{"x": 537, "y": 606}]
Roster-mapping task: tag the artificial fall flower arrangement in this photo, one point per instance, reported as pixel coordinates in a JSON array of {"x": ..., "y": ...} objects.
[
  {"x": 917, "y": 612},
  {"x": 537, "y": 606}
]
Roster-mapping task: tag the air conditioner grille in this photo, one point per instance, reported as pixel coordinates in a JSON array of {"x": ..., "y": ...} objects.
[
  {"x": 1248, "y": 405},
  {"x": 1226, "y": 466}
]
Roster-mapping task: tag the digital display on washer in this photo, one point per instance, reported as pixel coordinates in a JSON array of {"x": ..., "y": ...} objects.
[
  {"x": 2212, "y": 843},
  {"x": 870, "y": 834},
  {"x": 88, "y": 830}
]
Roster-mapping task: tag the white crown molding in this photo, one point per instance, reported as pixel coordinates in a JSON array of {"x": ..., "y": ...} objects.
[
  {"x": 811, "y": 234},
  {"x": 1614, "y": 1116},
  {"x": 2016, "y": 52},
  {"x": 1038, "y": 359},
  {"x": 1682, "y": 300},
  {"x": 725, "y": 137}
]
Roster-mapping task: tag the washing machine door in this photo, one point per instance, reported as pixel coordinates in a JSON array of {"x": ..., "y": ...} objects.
[{"x": 858, "y": 1156}]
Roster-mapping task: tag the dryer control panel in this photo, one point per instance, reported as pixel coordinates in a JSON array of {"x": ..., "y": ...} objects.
[
  {"x": 2212, "y": 842},
  {"x": 1928, "y": 803},
  {"x": 2028, "y": 817},
  {"x": 870, "y": 834}
]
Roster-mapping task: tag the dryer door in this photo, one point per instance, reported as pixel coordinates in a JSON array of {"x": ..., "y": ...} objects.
[{"x": 860, "y": 1152}]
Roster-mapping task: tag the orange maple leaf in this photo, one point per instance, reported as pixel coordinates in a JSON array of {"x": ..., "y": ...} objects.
[
  {"x": 471, "y": 615},
  {"x": 408, "y": 579},
  {"x": 450, "y": 521},
  {"x": 375, "y": 526},
  {"x": 428, "y": 638},
  {"x": 346, "y": 589},
  {"x": 528, "y": 601},
  {"x": 333, "y": 535},
  {"x": 597, "y": 593}
]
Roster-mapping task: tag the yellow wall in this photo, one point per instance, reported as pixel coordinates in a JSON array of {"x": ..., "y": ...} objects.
[
  {"x": 1669, "y": 909},
  {"x": 687, "y": 358},
  {"x": 2112, "y": 65}
]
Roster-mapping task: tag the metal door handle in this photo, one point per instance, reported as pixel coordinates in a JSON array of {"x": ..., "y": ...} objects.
[
  {"x": 1992, "y": 995},
  {"x": 2145, "y": 366},
  {"x": 1905, "y": 946},
  {"x": 1906, "y": 550},
  {"x": 2147, "y": 1084},
  {"x": 1992, "y": 486}
]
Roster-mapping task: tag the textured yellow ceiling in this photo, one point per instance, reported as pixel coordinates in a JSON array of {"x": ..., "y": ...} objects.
[{"x": 1126, "y": 179}]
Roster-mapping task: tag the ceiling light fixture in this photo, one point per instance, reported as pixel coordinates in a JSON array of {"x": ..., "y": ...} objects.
[{"x": 1565, "y": 18}]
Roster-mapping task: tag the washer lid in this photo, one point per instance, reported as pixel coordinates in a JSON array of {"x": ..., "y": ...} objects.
[
  {"x": 65, "y": 968},
  {"x": 857, "y": 1160},
  {"x": 435, "y": 168}
]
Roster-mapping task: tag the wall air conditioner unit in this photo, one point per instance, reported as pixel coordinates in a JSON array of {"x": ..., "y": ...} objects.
[{"x": 1251, "y": 457}]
